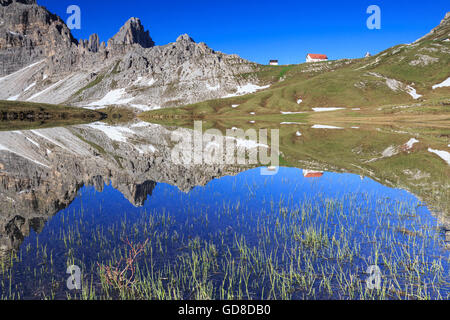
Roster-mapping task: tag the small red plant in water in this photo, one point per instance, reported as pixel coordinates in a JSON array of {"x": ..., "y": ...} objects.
[{"x": 122, "y": 275}]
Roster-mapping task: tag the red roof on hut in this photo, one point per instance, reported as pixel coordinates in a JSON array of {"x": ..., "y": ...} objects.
[
  {"x": 312, "y": 174},
  {"x": 318, "y": 56}
]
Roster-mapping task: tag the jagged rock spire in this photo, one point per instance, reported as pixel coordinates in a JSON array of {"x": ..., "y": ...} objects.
[{"x": 131, "y": 33}]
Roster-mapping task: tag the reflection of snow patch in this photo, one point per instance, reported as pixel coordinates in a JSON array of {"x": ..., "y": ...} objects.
[
  {"x": 234, "y": 106},
  {"x": 33, "y": 142},
  {"x": 298, "y": 134},
  {"x": 442, "y": 154},
  {"x": 114, "y": 133},
  {"x": 288, "y": 112},
  {"x": 445, "y": 83},
  {"x": 3, "y": 148},
  {"x": 289, "y": 123},
  {"x": 319, "y": 126},
  {"x": 327, "y": 109}
]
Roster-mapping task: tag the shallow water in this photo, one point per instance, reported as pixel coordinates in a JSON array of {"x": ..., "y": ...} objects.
[{"x": 215, "y": 233}]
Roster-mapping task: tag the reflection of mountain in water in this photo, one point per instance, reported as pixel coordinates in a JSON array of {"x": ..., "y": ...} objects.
[{"x": 41, "y": 171}]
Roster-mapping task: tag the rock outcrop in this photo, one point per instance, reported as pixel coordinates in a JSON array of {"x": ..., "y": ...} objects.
[
  {"x": 28, "y": 33},
  {"x": 40, "y": 61}
]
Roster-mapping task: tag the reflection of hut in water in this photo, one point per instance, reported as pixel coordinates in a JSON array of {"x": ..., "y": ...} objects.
[{"x": 312, "y": 174}]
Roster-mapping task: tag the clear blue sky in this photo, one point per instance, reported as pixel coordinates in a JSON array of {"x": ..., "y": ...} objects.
[{"x": 262, "y": 30}]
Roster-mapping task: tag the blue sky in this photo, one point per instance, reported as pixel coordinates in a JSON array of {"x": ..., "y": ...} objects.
[{"x": 263, "y": 30}]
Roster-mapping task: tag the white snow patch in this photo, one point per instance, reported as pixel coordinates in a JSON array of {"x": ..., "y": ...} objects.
[
  {"x": 248, "y": 88},
  {"x": 289, "y": 123},
  {"x": 442, "y": 154},
  {"x": 144, "y": 82},
  {"x": 143, "y": 149},
  {"x": 411, "y": 143},
  {"x": 446, "y": 83},
  {"x": 396, "y": 85},
  {"x": 114, "y": 97},
  {"x": 46, "y": 90},
  {"x": 298, "y": 134},
  {"x": 252, "y": 113},
  {"x": 211, "y": 88},
  {"x": 234, "y": 106},
  {"x": 356, "y": 109},
  {"x": 413, "y": 93},
  {"x": 319, "y": 126},
  {"x": 13, "y": 98},
  {"x": 299, "y": 101},
  {"x": 3, "y": 148},
  {"x": 326, "y": 109},
  {"x": 13, "y": 33},
  {"x": 30, "y": 86}
]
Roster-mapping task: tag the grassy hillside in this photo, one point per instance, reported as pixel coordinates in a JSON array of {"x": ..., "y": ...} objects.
[{"x": 387, "y": 79}]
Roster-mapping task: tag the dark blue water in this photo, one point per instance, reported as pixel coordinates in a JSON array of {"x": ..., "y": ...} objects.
[{"x": 270, "y": 212}]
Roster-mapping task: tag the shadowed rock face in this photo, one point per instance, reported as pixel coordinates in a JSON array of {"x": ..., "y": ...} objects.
[
  {"x": 41, "y": 171},
  {"x": 28, "y": 33}
]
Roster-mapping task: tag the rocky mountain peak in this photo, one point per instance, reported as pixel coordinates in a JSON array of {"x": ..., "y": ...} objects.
[
  {"x": 185, "y": 37},
  {"x": 131, "y": 33}
]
